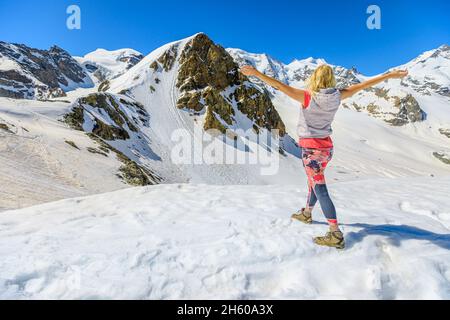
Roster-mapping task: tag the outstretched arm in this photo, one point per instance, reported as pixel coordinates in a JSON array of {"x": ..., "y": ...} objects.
[
  {"x": 294, "y": 93},
  {"x": 350, "y": 91}
]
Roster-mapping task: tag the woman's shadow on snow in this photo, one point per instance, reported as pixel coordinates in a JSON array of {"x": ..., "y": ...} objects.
[{"x": 395, "y": 234}]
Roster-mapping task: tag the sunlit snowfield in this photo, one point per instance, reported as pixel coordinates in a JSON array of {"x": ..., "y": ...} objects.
[{"x": 230, "y": 242}]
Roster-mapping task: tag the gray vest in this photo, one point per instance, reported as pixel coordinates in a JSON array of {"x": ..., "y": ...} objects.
[{"x": 315, "y": 121}]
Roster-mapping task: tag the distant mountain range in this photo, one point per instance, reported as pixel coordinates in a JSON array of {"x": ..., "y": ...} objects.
[{"x": 106, "y": 120}]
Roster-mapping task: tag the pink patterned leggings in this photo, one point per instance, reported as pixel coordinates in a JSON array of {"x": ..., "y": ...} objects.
[{"x": 315, "y": 162}]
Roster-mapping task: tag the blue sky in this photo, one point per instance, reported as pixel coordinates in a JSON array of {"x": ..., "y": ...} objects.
[{"x": 333, "y": 30}]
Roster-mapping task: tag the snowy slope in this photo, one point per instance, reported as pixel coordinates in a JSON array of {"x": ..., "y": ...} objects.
[
  {"x": 230, "y": 242},
  {"x": 38, "y": 165}
]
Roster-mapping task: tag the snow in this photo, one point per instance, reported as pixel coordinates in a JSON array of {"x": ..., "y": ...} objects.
[
  {"x": 37, "y": 165},
  {"x": 109, "y": 61},
  {"x": 227, "y": 234},
  {"x": 7, "y": 64},
  {"x": 231, "y": 242}
]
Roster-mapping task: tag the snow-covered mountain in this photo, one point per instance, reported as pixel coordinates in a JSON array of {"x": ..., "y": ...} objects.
[
  {"x": 430, "y": 72},
  {"x": 295, "y": 73},
  {"x": 419, "y": 102},
  {"x": 389, "y": 101},
  {"x": 194, "y": 85},
  {"x": 107, "y": 65},
  {"x": 124, "y": 129},
  {"x": 225, "y": 224},
  {"x": 28, "y": 73}
]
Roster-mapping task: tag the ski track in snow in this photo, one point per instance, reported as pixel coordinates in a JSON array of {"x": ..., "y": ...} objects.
[{"x": 230, "y": 242}]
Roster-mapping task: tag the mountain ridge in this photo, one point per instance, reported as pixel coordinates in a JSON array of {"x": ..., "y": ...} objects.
[{"x": 119, "y": 132}]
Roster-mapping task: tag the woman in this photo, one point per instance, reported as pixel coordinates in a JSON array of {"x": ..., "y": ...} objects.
[{"x": 320, "y": 103}]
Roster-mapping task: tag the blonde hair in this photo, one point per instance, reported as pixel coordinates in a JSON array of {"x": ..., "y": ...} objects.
[{"x": 322, "y": 78}]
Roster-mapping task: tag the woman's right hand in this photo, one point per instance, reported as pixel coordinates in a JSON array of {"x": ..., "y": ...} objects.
[
  {"x": 398, "y": 74},
  {"x": 249, "y": 71}
]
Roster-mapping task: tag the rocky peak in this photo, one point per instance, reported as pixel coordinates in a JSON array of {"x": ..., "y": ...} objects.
[
  {"x": 202, "y": 64},
  {"x": 209, "y": 80},
  {"x": 442, "y": 51},
  {"x": 57, "y": 51}
]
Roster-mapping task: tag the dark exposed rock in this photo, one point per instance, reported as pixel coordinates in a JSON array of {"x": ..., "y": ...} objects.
[
  {"x": 209, "y": 78},
  {"x": 5, "y": 127},
  {"x": 134, "y": 174},
  {"x": 104, "y": 86},
  {"x": 124, "y": 92},
  {"x": 410, "y": 111},
  {"x": 154, "y": 66},
  {"x": 357, "y": 107},
  {"x": 219, "y": 112},
  {"x": 442, "y": 157},
  {"x": 103, "y": 103},
  {"x": 96, "y": 151},
  {"x": 258, "y": 106},
  {"x": 191, "y": 101},
  {"x": 203, "y": 64},
  {"x": 75, "y": 118},
  {"x": 168, "y": 59},
  {"x": 67, "y": 65},
  {"x": 13, "y": 76},
  {"x": 379, "y": 92},
  {"x": 53, "y": 68},
  {"x": 90, "y": 67},
  {"x": 18, "y": 86},
  {"x": 131, "y": 60},
  {"x": 109, "y": 132},
  {"x": 130, "y": 171},
  {"x": 444, "y": 91},
  {"x": 72, "y": 144},
  {"x": 373, "y": 109},
  {"x": 445, "y": 132}
]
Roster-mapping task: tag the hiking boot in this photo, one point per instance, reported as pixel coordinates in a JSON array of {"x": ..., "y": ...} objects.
[
  {"x": 303, "y": 217},
  {"x": 332, "y": 239}
]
